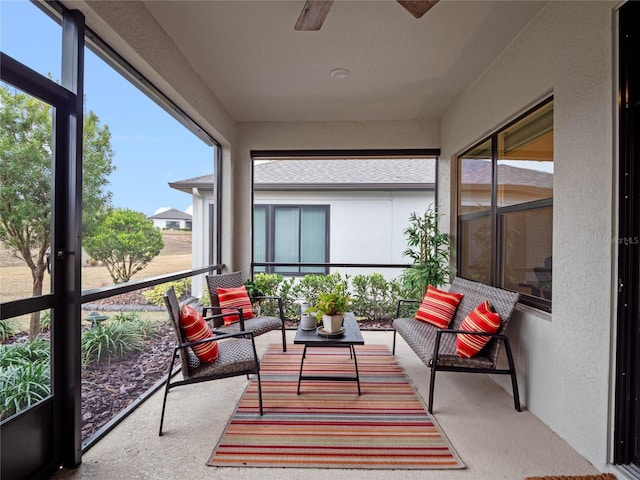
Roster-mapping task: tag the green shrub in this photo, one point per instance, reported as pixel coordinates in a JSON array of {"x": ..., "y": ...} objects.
[
  {"x": 155, "y": 296},
  {"x": 122, "y": 317},
  {"x": 111, "y": 341},
  {"x": 25, "y": 375},
  {"x": 7, "y": 330},
  {"x": 374, "y": 297},
  {"x": 273, "y": 285},
  {"x": 45, "y": 321},
  {"x": 310, "y": 287},
  {"x": 147, "y": 328}
]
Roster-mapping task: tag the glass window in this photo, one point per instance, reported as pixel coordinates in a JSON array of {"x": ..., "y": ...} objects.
[
  {"x": 527, "y": 252},
  {"x": 475, "y": 249},
  {"x": 41, "y": 52},
  {"x": 525, "y": 159},
  {"x": 291, "y": 234},
  {"x": 286, "y": 235},
  {"x": 259, "y": 236},
  {"x": 505, "y": 208},
  {"x": 475, "y": 179}
]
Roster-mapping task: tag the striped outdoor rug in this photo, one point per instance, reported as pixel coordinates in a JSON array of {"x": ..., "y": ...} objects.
[{"x": 329, "y": 425}]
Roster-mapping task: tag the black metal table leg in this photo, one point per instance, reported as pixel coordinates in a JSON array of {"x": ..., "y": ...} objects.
[
  {"x": 355, "y": 361},
  {"x": 304, "y": 354}
]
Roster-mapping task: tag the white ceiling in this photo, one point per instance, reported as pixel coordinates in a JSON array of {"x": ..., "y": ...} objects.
[{"x": 261, "y": 69}]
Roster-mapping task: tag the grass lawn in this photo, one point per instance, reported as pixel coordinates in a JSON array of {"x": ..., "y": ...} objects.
[{"x": 16, "y": 281}]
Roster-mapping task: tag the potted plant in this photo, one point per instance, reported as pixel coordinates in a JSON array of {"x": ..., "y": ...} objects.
[{"x": 330, "y": 309}]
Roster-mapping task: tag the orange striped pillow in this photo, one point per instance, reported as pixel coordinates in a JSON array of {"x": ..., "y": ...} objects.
[
  {"x": 234, "y": 298},
  {"x": 195, "y": 328},
  {"x": 438, "y": 307},
  {"x": 480, "y": 319}
]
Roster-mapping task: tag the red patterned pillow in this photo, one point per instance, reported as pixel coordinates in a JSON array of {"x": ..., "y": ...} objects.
[
  {"x": 234, "y": 298},
  {"x": 195, "y": 328},
  {"x": 481, "y": 319},
  {"x": 438, "y": 307}
]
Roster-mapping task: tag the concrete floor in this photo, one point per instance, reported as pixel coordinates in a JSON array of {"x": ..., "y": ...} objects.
[{"x": 491, "y": 437}]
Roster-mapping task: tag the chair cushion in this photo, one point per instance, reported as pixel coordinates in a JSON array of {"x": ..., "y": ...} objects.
[
  {"x": 438, "y": 307},
  {"x": 256, "y": 325},
  {"x": 234, "y": 298},
  {"x": 236, "y": 356},
  {"x": 480, "y": 319},
  {"x": 195, "y": 328}
]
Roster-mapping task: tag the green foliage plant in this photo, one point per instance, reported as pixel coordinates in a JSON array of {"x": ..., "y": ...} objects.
[
  {"x": 335, "y": 302},
  {"x": 147, "y": 328},
  {"x": 7, "y": 330},
  {"x": 26, "y": 137},
  {"x": 311, "y": 286},
  {"x": 429, "y": 250},
  {"x": 273, "y": 285},
  {"x": 106, "y": 342},
  {"x": 45, "y": 321},
  {"x": 25, "y": 375},
  {"x": 373, "y": 296},
  {"x": 155, "y": 295},
  {"x": 126, "y": 241}
]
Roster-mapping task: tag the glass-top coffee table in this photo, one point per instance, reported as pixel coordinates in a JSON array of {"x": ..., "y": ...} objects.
[{"x": 351, "y": 336}]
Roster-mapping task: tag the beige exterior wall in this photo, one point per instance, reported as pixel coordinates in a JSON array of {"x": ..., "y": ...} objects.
[{"x": 564, "y": 359}]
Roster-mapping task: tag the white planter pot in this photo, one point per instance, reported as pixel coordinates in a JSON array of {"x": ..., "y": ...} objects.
[
  {"x": 308, "y": 322},
  {"x": 332, "y": 323}
]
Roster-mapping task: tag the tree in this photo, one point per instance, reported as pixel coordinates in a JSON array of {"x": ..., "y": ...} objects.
[
  {"x": 25, "y": 175},
  {"x": 428, "y": 247},
  {"x": 126, "y": 241}
]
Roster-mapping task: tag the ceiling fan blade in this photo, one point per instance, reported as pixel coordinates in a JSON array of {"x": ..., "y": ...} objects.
[
  {"x": 417, "y": 8},
  {"x": 313, "y": 14}
]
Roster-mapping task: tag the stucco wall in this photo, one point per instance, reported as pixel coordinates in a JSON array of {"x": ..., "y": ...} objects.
[
  {"x": 365, "y": 227},
  {"x": 563, "y": 360}
]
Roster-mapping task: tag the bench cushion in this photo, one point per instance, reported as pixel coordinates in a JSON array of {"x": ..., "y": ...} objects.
[
  {"x": 438, "y": 307},
  {"x": 480, "y": 319}
]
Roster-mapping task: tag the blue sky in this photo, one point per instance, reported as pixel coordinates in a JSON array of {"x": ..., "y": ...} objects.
[{"x": 150, "y": 147}]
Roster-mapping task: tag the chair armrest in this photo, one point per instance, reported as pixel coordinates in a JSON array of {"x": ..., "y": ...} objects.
[
  {"x": 404, "y": 301},
  {"x": 271, "y": 297},
  {"x": 222, "y": 336},
  {"x": 451, "y": 331},
  {"x": 466, "y": 332},
  {"x": 205, "y": 311},
  {"x": 219, "y": 316}
]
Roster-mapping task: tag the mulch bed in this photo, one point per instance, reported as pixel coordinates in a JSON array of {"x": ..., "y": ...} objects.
[{"x": 109, "y": 387}]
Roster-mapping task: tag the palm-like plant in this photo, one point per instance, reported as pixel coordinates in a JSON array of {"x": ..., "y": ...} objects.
[{"x": 428, "y": 248}]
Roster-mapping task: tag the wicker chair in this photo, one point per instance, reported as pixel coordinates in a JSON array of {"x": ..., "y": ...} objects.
[
  {"x": 437, "y": 347},
  {"x": 257, "y": 325},
  {"x": 236, "y": 356}
]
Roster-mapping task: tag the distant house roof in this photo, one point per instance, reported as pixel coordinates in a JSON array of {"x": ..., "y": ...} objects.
[
  {"x": 171, "y": 214},
  {"x": 397, "y": 174},
  {"x": 479, "y": 172}
]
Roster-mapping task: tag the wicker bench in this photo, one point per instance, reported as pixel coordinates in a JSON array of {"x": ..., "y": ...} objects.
[{"x": 437, "y": 347}]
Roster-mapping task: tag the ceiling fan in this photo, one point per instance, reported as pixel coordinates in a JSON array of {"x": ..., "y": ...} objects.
[{"x": 315, "y": 11}]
